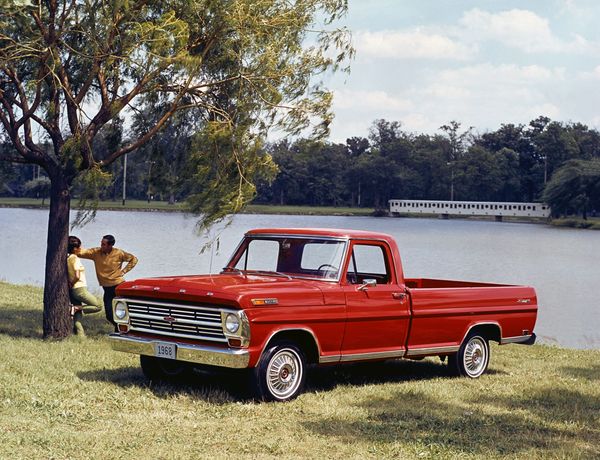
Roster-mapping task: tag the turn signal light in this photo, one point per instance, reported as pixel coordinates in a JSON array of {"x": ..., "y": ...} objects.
[
  {"x": 258, "y": 302},
  {"x": 235, "y": 343}
]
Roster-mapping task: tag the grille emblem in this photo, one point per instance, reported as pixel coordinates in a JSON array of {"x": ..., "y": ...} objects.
[{"x": 170, "y": 319}]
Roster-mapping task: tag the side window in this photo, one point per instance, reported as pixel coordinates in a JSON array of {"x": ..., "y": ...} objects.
[
  {"x": 260, "y": 255},
  {"x": 369, "y": 261}
]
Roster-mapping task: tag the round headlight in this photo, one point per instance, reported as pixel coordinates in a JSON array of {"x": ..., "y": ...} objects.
[
  {"x": 232, "y": 323},
  {"x": 120, "y": 310}
]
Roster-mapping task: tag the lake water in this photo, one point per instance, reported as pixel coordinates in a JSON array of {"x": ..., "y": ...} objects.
[{"x": 562, "y": 264}]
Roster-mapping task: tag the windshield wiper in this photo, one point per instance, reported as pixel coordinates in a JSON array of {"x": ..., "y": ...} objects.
[{"x": 269, "y": 272}]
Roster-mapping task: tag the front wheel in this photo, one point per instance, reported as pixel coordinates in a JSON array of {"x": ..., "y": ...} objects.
[
  {"x": 162, "y": 369},
  {"x": 472, "y": 358},
  {"x": 281, "y": 372}
]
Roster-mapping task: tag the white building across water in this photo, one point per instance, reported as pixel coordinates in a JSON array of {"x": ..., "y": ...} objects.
[{"x": 469, "y": 208}]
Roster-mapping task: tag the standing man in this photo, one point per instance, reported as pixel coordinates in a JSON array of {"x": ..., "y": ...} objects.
[{"x": 108, "y": 261}]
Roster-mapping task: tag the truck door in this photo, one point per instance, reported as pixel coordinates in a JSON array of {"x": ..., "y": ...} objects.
[{"x": 378, "y": 314}]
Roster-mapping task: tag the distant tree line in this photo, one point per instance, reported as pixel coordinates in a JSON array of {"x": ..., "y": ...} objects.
[{"x": 545, "y": 160}]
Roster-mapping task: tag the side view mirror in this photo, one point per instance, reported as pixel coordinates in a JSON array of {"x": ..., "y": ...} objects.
[{"x": 367, "y": 283}]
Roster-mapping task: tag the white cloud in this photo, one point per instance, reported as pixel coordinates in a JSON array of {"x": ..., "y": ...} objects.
[
  {"x": 379, "y": 100},
  {"x": 479, "y": 94},
  {"x": 412, "y": 44},
  {"x": 519, "y": 28},
  {"x": 482, "y": 95},
  {"x": 523, "y": 30},
  {"x": 505, "y": 75},
  {"x": 483, "y": 69},
  {"x": 593, "y": 75},
  {"x": 595, "y": 122}
]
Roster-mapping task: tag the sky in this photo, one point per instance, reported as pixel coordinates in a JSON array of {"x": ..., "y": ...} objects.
[{"x": 482, "y": 63}]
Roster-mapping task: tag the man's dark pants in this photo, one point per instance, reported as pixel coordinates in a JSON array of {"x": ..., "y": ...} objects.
[{"x": 109, "y": 295}]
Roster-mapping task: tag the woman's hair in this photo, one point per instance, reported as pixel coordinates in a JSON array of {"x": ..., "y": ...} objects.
[{"x": 74, "y": 243}]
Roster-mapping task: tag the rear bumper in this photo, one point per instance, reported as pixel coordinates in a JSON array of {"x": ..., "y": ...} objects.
[
  {"x": 521, "y": 339},
  {"x": 199, "y": 354}
]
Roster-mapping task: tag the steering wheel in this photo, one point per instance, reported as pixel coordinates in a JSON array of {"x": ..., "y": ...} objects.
[{"x": 328, "y": 269}]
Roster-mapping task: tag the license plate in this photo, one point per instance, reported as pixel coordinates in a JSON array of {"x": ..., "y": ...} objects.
[{"x": 165, "y": 350}]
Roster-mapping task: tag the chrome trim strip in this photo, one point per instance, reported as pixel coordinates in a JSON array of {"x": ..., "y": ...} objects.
[
  {"x": 168, "y": 334},
  {"x": 488, "y": 323},
  {"x": 212, "y": 308},
  {"x": 431, "y": 351},
  {"x": 516, "y": 339},
  {"x": 329, "y": 359},
  {"x": 199, "y": 354},
  {"x": 303, "y": 329},
  {"x": 373, "y": 355}
]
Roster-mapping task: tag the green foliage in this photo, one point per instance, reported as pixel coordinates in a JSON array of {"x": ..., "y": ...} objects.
[
  {"x": 90, "y": 185},
  {"x": 222, "y": 185},
  {"x": 252, "y": 64},
  {"x": 504, "y": 165},
  {"x": 574, "y": 188},
  {"x": 38, "y": 188}
]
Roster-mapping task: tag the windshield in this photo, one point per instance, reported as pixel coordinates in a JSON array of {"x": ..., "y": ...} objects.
[{"x": 319, "y": 258}]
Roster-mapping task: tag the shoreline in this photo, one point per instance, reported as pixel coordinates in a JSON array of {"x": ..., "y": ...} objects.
[{"x": 161, "y": 206}]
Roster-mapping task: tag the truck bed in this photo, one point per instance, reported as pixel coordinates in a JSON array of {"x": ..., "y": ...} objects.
[{"x": 441, "y": 308}]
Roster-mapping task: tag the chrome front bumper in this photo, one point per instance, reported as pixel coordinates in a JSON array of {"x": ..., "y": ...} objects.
[{"x": 199, "y": 354}]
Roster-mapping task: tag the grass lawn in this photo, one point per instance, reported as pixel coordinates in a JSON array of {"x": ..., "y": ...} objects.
[
  {"x": 79, "y": 399},
  {"x": 592, "y": 223}
]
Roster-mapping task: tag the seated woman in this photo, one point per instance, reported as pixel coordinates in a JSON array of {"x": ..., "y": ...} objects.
[{"x": 78, "y": 287}]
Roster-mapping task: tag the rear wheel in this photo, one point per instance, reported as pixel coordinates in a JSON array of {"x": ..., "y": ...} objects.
[
  {"x": 281, "y": 372},
  {"x": 162, "y": 369},
  {"x": 472, "y": 358}
]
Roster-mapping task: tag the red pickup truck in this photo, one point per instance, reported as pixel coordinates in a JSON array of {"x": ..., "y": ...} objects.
[{"x": 289, "y": 298}]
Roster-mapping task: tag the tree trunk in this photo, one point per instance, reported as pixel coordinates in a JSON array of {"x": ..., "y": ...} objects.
[{"x": 57, "y": 322}]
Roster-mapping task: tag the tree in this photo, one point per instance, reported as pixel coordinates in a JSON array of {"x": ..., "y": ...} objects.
[
  {"x": 555, "y": 144},
  {"x": 478, "y": 175},
  {"x": 38, "y": 188},
  {"x": 457, "y": 145},
  {"x": 574, "y": 188},
  {"x": 68, "y": 68}
]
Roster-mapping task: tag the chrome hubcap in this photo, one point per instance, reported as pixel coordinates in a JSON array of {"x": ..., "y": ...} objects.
[
  {"x": 284, "y": 373},
  {"x": 475, "y": 356}
]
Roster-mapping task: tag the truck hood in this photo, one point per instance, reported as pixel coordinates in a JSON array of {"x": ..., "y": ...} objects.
[{"x": 229, "y": 289}]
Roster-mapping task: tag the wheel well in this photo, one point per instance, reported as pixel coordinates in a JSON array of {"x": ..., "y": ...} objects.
[
  {"x": 303, "y": 339},
  {"x": 487, "y": 331}
]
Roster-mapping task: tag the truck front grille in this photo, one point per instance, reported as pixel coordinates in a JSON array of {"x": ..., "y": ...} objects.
[{"x": 176, "y": 320}]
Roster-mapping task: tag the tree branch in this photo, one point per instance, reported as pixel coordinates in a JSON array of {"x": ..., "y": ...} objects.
[{"x": 143, "y": 139}]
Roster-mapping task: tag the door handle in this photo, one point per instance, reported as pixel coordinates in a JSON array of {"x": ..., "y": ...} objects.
[{"x": 398, "y": 295}]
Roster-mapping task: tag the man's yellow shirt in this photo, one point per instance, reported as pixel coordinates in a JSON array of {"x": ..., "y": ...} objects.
[{"x": 108, "y": 266}]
